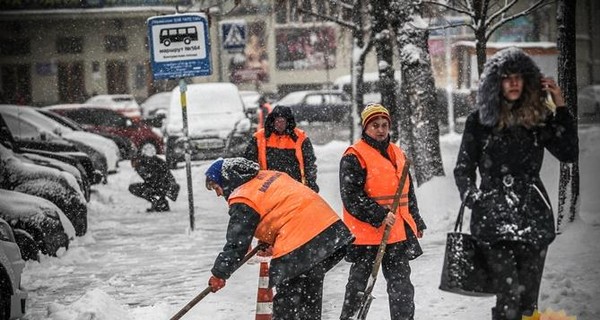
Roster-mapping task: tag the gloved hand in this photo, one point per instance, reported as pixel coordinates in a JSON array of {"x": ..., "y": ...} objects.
[
  {"x": 216, "y": 284},
  {"x": 471, "y": 197},
  {"x": 266, "y": 252}
]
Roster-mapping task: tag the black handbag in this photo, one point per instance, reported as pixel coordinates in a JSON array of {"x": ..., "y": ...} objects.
[{"x": 465, "y": 269}]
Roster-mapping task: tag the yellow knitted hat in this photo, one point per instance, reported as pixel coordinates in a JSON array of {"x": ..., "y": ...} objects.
[{"x": 373, "y": 110}]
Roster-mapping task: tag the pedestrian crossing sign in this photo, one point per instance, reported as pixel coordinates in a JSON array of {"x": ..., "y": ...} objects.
[{"x": 233, "y": 35}]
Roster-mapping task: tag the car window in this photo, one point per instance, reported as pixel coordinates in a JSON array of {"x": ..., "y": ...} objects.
[
  {"x": 109, "y": 119},
  {"x": 313, "y": 100},
  {"x": 333, "y": 98},
  {"x": 82, "y": 116},
  {"x": 21, "y": 129}
]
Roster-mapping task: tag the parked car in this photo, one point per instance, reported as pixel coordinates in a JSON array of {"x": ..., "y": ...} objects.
[
  {"x": 102, "y": 120},
  {"x": 156, "y": 104},
  {"x": 122, "y": 103},
  {"x": 27, "y": 123},
  {"x": 52, "y": 146},
  {"x": 12, "y": 297},
  {"x": 318, "y": 105},
  {"x": 48, "y": 183},
  {"x": 588, "y": 104},
  {"x": 107, "y": 145},
  {"x": 250, "y": 99},
  {"x": 217, "y": 123},
  {"x": 42, "y": 226}
]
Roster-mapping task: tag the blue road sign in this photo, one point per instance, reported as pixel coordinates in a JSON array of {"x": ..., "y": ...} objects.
[
  {"x": 179, "y": 46},
  {"x": 233, "y": 35}
]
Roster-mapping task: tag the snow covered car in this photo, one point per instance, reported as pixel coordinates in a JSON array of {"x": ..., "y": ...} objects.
[
  {"x": 31, "y": 133},
  {"x": 108, "y": 146},
  {"x": 122, "y": 103},
  {"x": 218, "y": 125},
  {"x": 39, "y": 225},
  {"x": 318, "y": 105},
  {"x": 56, "y": 186},
  {"x": 156, "y": 104},
  {"x": 101, "y": 120},
  {"x": 12, "y": 297},
  {"x": 25, "y": 121}
]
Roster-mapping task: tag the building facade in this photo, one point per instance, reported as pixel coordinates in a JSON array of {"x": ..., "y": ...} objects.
[{"x": 66, "y": 51}]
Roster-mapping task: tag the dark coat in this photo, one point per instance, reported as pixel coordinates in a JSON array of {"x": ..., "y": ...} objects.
[
  {"x": 359, "y": 204},
  {"x": 519, "y": 211},
  {"x": 284, "y": 160},
  {"x": 242, "y": 226},
  {"x": 156, "y": 175}
]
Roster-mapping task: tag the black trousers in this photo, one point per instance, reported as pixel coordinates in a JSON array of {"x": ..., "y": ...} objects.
[
  {"x": 146, "y": 191},
  {"x": 301, "y": 297},
  {"x": 396, "y": 271},
  {"x": 517, "y": 268}
]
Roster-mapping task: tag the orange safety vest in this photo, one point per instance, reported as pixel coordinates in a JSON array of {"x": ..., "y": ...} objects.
[
  {"x": 381, "y": 187},
  {"x": 290, "y": 214},
  {"x": 280, "y": 142},
  {"x": 262, "y": 115}
]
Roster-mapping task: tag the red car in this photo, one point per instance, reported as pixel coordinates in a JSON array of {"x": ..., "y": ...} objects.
[{"x": 102, "y": 120}]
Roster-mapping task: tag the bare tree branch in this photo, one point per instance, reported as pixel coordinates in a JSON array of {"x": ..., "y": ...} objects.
[
  {"x": 443, "y": 5},
  {"x": 533, "y": 7},
  {"x": 328, "y": 18}
]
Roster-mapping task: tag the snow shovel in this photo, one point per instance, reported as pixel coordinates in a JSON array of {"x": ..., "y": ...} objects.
[
  {"x": 365, "y": 297},
  {"x": 206, "y": 291}
]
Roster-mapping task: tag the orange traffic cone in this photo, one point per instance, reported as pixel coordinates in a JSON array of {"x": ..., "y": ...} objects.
[{"x": 264, "y": 297}]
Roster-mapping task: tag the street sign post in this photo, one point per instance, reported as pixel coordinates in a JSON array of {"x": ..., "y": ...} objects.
[{"x": 180, "y": 47}]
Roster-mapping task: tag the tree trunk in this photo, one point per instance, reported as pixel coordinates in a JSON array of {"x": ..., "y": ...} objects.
[
  {"x": 384, "y": 46},
  {"x": 418, "y": 83},
  {"x": 568, "y": 192}
]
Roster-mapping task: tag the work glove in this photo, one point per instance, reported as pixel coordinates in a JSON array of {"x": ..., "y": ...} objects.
[
  {"x": 215, "y": 283},
  {"x": 471, "y": 197}
]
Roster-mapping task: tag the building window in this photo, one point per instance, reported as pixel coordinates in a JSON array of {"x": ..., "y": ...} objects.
[
  {"x": 66, "y": 45},
  {"x": 15, "y": 47},
  {"x": 115, "y": 44},
  {"x": 288, "y": 11}
]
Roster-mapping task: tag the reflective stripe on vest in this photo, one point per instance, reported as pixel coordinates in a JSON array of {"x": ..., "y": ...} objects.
[
  {"x": 290, "y": 213},
  {"x": 381, "y": 184},
  {"x": 281, "y": 142}
]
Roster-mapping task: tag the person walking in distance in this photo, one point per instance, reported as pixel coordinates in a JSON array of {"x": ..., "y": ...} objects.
[
  {"x": 370, "y": 173},
  {"x": 306, "y": 235},
  {"x": 264, "y": 108},
  {"x": 282, "y": 147},
  {"x": 519, "y": 114}
]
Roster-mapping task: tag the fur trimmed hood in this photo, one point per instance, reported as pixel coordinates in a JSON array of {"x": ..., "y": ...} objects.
[{"x": 504, "y": 62}]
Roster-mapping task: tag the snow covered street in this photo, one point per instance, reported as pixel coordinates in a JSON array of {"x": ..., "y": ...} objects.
[{"x": 143, "y": 266}]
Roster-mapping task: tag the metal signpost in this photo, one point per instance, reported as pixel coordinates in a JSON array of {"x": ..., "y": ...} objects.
[{"x": 180, "y": 47}]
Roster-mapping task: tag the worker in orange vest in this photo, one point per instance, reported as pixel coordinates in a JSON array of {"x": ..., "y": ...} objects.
[
  {"x": 282, "y": 147},
  {"x": 287, "y": 215},
  {"x": 370, "y": 174}
]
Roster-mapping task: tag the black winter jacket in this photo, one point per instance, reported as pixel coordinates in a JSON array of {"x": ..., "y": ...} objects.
[
  {"x": 285, "y": 160},
  {"x": 512, "y": 203}
]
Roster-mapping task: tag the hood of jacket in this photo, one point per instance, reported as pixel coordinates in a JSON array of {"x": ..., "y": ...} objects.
[
  {"x": 285, "y": 112},
  {"x": 237, "y": 171},
  {"x": 504, "y": 62}
]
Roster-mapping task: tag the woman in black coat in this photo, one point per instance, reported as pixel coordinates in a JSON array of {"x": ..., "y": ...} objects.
[{"x": 505, "y": 139}]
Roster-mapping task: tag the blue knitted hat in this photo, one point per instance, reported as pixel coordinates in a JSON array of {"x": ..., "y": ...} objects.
[{"x": 214, "y": 174}]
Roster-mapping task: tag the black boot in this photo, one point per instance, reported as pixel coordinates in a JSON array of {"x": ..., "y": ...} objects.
[{"x": 159, "y": 205}]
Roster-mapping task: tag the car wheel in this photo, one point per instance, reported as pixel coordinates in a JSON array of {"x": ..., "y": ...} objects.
[
  {"x": 148, "y": 148},
  {"x": 29, "y": 248},
  {"x": 4, "y": 295}
]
